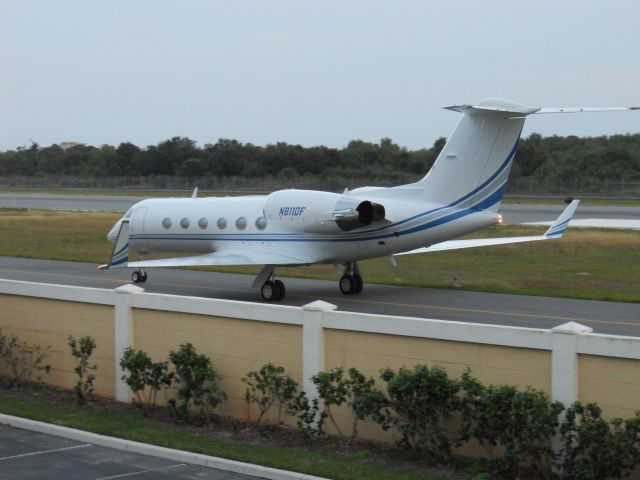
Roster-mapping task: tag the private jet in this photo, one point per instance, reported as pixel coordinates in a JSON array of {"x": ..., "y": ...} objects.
[{"x": 459, "y": 195}]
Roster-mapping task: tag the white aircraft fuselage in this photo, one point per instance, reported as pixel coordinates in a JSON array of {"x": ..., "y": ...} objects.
[{"x": 214, "y": 224}]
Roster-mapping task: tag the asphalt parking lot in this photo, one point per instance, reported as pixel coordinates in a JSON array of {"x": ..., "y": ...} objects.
[{"x": 29, "y": 455}]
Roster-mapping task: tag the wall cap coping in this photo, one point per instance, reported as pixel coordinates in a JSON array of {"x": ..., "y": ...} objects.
[
  {"x": 573, "y": 328},
  {"x": 319, "y": 305},
  {"x": 129, "y": 288}
]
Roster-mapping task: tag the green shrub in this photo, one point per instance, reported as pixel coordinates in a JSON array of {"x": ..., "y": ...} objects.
[
  {"x": 195, "y": 380},
  {"x": 22, "y": 360},
  {"x": 334, "y": 389},
  {"x": 82, "y": 349},
  {"x": 421, "y": 401},
  {"x": 596, "y": 449},
  {"x": 515, "y": 427},
  {"x": 146, "y": 377},
  {"x": 270, "y": 386},
  {"x": 311, "y": 417}
]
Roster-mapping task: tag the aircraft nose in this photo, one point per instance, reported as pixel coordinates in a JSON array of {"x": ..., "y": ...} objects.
[{"x": 112, "y": 236}]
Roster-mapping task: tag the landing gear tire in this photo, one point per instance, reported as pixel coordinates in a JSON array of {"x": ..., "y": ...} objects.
[
  {"x": 359, "y": 284},
  {"x": 282, "y": 291},
  {"x": 351, "y": 282},
  {"x": 272, "y": 291},
  {"x": 347, "y": 284},
  {"x": 139, "y": 276},
  {"x": 268, "y": 291}
]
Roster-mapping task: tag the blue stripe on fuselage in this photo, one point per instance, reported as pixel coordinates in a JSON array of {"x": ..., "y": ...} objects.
[{"x": 484, "y": 184}]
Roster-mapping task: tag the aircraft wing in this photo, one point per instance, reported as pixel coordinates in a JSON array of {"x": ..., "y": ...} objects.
[
  {"x": 245, "y": 256},
  {"x": 555, "y": 231}
]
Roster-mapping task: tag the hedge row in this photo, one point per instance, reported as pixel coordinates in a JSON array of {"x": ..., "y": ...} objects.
[{"x": 431, "y": 413}]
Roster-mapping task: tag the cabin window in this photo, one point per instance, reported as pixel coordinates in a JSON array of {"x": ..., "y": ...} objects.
[
  {"x": 203, "y": 223},
  {"x": 184, "y": 223},
  {"x": 222, "y": 223},
  {"x": 166, "y": 223},
  {"x": 241, "y": 223},
  {"x": 261, "y": 223}
]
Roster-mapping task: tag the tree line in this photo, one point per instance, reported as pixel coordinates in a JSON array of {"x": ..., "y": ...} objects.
[{"x": 556, "y": 158}]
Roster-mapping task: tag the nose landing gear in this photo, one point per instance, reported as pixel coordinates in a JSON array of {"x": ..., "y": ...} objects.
[
  {"x": 139, "y": 276},
  {"x": 351, "y": 282}
]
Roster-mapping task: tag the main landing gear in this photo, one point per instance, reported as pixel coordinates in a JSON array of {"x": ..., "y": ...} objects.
[
  {"x": 351, "y": 282},
  {"x": 273, "y": 290},
  {"x": 139, "y": 276}
]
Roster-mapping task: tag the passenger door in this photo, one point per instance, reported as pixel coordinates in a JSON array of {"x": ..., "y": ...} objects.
[{"x": 137, "y": 230}]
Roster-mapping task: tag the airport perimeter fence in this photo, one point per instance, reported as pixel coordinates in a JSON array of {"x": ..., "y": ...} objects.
[
  {"x": 575, "y": 186},
  {"x": 568, "y": 362},
  {"x": 516, "y": 186},
  {"x": 206, "y": 183}
]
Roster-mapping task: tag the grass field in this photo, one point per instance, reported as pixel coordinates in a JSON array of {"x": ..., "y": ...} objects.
[
  {"x": 140, "y": 429},
  {"x": 593, "y": 264}
]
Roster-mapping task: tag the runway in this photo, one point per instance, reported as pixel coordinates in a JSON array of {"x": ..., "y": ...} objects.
[
  {"x": 502, "y": 309},
  {"x": 513, "y": 213}
]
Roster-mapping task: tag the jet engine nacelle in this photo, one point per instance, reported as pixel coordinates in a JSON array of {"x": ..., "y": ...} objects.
[{"x": 320, "y": 212}]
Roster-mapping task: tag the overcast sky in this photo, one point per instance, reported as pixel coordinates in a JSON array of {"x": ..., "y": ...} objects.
[{"x": 305, "y": 72}]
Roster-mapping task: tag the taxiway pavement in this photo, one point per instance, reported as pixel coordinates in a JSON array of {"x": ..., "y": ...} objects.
[{"x": 502, "y": 309}]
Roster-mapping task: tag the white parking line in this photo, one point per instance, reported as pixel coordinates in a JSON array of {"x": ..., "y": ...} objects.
[
  {"x": 45, "y": 451},
  {"x": 122, "y": 475}
]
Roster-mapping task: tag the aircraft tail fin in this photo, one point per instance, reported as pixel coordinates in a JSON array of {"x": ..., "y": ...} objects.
[
  {"x": 120, "y": 253},
  {"x": 473, "y": 166}
]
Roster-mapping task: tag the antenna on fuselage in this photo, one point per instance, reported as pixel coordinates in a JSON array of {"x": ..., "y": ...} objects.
[{"x": 195, "y": 193}]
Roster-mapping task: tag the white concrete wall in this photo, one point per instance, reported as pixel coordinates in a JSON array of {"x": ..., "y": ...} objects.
[{"x": 569, "y": 345}]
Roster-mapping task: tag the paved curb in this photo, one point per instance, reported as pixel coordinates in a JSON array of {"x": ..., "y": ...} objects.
[{"x": 154, "y": 451}]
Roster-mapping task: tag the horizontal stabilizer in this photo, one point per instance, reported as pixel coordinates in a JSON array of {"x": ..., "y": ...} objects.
[
  {"x": 584, "y": 109},
  {"x": 555, "y": 231},
  {"x": 505, "y": 107},
  {"x": 513, "y": 109}
]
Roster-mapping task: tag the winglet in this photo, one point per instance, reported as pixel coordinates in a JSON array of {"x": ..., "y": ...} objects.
[
  {"x": 120, "y": 253},
  {"x": 560, "y": 225}
]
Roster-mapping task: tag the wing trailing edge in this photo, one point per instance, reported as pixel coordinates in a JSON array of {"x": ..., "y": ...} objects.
[{"x": 555, "y": 231}]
